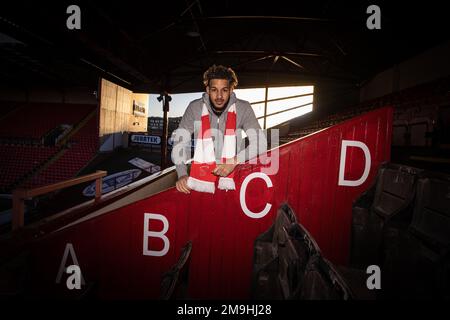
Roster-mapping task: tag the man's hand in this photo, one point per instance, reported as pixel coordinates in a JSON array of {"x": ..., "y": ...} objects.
[
  {"x": 223, "y": 170},
  {"x": 182, "y": 185}
]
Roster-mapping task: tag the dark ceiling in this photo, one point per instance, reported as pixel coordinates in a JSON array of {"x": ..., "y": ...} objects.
[{"x": 149, "y": 46}]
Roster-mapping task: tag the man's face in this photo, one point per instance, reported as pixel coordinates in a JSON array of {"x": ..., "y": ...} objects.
[{"x": 219, "y": 92}]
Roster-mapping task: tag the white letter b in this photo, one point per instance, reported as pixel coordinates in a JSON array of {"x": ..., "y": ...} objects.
[{"x": 161, "y": 235}]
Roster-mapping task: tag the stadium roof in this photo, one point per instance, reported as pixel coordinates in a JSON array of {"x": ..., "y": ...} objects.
[{"x": 166, "y": 45}]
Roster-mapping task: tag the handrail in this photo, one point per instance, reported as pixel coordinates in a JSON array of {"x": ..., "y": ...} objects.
[{"x": 19, "y": 195}]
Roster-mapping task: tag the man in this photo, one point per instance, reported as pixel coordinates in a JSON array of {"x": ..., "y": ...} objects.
[{"x": 227, "y": 115}]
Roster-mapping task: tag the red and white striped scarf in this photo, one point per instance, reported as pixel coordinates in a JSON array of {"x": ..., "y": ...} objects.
[{"x": 201, "y": 178}]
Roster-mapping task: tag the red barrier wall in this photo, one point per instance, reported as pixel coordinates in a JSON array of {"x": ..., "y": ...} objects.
[{"x": 110, "y": 248}]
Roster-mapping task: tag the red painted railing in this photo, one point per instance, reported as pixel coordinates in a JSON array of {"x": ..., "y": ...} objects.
[{"x": 118, "y": 252}]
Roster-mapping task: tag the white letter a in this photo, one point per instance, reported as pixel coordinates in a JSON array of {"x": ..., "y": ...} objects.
[
  {"x": 374, "y": 21},
  {"x": 69, "y": 250},
  {"x": 74, "y": 21},
  {"x": 374, "y": 281},
  {"x": 74, "y": 281}
]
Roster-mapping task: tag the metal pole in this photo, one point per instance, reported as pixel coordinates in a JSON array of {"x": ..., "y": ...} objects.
[
  {"x": 166, "y": 100},
  {"x": 265, "y": 108}
]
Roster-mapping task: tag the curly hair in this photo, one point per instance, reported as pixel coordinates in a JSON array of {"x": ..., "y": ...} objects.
[{"x": 220, "y": 72}]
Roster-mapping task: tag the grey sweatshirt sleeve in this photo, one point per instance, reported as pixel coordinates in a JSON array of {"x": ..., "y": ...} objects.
[
  {"x": 181, "y": 151},
  {"x": 256, "y": 137}
]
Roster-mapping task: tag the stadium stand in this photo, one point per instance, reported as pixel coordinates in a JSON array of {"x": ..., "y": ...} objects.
[
  {"x": 81, "y": 148},
  {"x": 412, "y": 107},
  {"x": 26, "y": 161},
  {"x": 18, "y": 160},
  {"x": 401, "y": 224},
  {"x": 31, "y": 121}
]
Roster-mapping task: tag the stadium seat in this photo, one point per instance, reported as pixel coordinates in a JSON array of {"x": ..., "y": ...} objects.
[
  {"x": 288, "y": 264},
  {"x": 265, "y": 278},
  {"x": 431, "y": 219},
  {"x": 388, "y": 202},
  {"x": 175, "y": 281},
  {"x": 321, "y": 281},
  {"x": 416, "y": 260}
]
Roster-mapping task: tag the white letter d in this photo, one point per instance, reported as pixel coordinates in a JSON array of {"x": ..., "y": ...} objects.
[{"x": 358, "y": 144}]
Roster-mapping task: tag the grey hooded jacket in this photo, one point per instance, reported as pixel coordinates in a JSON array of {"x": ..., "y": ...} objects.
[{"x": 190, "y": 123}]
